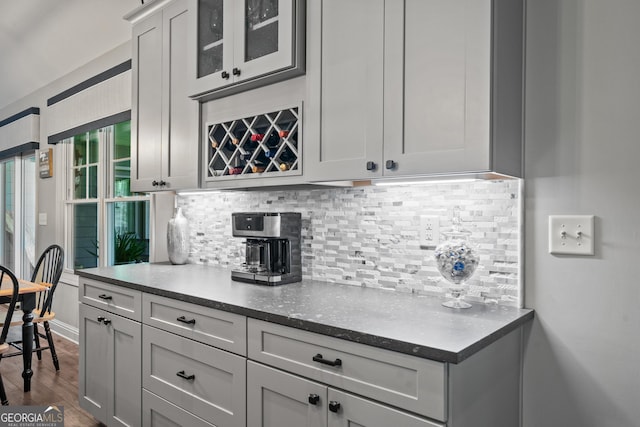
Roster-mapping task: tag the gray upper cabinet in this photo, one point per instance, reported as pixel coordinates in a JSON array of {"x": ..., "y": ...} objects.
[
  {"x": 164, "y": 128},
  {"x": 414, "y": 87},
  {"x": 344, "y": 123},
  {"x": 238, "y": 45}
]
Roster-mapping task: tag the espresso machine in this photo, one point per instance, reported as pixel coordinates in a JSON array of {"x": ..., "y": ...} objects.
[{"x": 273, "y": 247}]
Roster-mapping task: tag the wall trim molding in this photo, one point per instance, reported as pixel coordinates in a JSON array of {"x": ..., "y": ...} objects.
[
  {"x": 18, "y": 116},
  {"x": 65, "y": 330},
  {"x": 13, "y": 151},
  {"x": 97, "y": 124},
  {"x": 92, "y": 81}
]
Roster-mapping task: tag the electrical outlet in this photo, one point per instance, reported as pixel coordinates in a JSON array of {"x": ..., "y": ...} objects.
[
  {"x": 571, "y": 234},
  {"x": 429, "y": 230}
]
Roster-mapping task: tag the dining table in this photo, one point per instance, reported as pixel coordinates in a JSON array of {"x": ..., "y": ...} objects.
[{"x": 27, "y": 297}]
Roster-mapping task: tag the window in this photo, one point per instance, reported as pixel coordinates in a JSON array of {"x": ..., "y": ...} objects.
[
  {"x": 17, "y": 213},
  {"x": 100, "y": 207}
]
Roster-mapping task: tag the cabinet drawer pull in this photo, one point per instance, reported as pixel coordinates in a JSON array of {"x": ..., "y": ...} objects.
[
  {"x": 106, "y": 321},
  {"x": 236, "y": 71},
  {"x": 224, "y": 75},
  {"x": 391, "y": 164},
  {"x": 314, "y": 399},
  {"x": 334, "y": 406},
  {"x": 100, "y": 319},
  {"x": 187, "y": 321},
  {"x": 155, "y": 183},
  {"x": 371, "y": 166},
  {"x": 105, "y": 297},
  {"x": 318, "y": 358},
  {"x": 181, "y": 374}
]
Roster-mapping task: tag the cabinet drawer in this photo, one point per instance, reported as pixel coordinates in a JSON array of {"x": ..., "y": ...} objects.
[
  {"x": 114, "y": 299},
  {"x": 415, "y": 384},
  {"x": 227, "y": 331},
  {"x": 158, "y": 412},
  {"x": 203, "y": 380}
]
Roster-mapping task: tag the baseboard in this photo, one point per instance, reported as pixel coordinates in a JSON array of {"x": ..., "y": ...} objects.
[{"x": 65, "y": 330}]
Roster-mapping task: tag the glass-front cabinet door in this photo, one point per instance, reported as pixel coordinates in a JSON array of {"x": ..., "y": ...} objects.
[
  {"x": 238, "y": 41},
  {"x": 214, "y": 40},
  {"x": 265, "y": 40}
]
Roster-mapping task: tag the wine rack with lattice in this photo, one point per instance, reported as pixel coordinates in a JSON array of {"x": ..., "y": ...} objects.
[{"x": 261, "y": 145}]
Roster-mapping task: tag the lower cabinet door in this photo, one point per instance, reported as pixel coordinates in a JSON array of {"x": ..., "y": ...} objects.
[
  {"x": 110, "y": 378},
  {"x": 92, "y": 379},
  {"x": 347, "y": 410},
  {"x": 157, "y": 412},
  {"x": 278, "y": 399},
  {"x": 125, "y": 367}
]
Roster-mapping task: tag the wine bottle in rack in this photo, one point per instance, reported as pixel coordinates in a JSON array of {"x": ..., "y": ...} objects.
[
  {"x": 258, "y": 168},
  {"x": 271, "y": 152},
  {"x": 256, "y": 137},
  {"x": 285, "y": 166},
  {"x": 273, "y": 140},
  {"x": 287, "y": 159},
  {"x": 228, "y": 145},
  {"x": 238, "y": 166}
]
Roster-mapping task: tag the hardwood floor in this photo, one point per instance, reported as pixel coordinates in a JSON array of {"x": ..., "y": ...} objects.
[{"x": 49, "y": 387}]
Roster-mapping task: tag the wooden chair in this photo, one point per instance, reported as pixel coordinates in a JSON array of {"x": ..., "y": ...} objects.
[
  {"x": 47, "y": 271},
  {"x": 7, "y": 279}
]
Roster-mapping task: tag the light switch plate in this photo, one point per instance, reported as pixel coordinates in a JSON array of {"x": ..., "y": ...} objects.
[
  {"x": 42, "y": 218},
  {"x": 571, "y": 234}
]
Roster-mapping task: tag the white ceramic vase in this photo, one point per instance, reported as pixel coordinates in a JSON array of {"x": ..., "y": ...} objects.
[{"x": 178, "y": 238}]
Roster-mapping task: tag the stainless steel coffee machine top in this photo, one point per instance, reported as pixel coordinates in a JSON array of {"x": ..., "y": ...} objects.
[{"x": 273, "y": 247}]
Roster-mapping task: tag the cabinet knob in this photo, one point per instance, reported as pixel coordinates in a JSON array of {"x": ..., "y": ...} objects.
[
  {"x": 390, "y": 164},
  {"x": 100, "y": 319},
  {"x": 236, "y": 71},
  {"x": 162, "y": 183},
  {"x": 155, "y": 183},
  {"x": 224, "y": 75},
  {"x": 334, "y": 406},
  {"x": 314, "y": 399},
  {"x": 106, "y": 321},
  {"x": 371, "y": 166}
]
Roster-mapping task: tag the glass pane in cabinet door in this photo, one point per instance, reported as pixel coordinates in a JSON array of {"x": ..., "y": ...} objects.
[
  {"x": 210, "y": 36},
  {"x": 261, "y": 28}
]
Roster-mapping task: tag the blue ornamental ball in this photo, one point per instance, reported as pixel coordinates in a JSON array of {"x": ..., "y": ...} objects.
[{"x": 456, "y": 260}]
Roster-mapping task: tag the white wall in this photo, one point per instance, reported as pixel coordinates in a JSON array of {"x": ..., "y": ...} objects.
[{"x": 582, "y": 157}]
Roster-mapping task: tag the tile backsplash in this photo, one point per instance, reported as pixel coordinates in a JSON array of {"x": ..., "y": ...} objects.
[{"x": 369, "y": 236}]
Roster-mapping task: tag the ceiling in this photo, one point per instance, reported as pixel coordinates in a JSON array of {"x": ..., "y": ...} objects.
[{"x": 42, "y": 40}]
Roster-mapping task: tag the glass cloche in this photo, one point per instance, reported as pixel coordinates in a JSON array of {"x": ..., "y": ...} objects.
[{"x": 456, "y": 260}]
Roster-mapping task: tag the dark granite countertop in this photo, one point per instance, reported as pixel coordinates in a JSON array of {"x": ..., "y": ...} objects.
[{"x": 406, "y": 323}]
